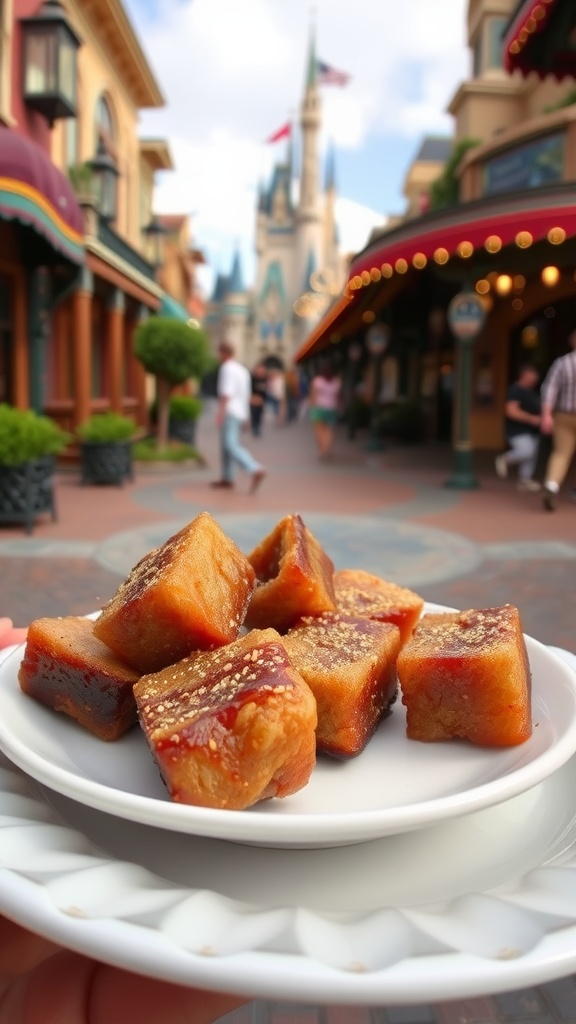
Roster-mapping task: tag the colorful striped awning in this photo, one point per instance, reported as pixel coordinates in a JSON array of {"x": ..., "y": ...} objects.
[{"x": 36, "y": 193}]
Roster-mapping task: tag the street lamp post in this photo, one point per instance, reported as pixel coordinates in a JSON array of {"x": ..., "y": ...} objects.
[
  {"x": 466, "y": 315},
  {"x": 377, "y": 340}
]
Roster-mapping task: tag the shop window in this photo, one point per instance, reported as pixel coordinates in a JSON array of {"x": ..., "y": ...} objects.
[
  {"x": 495, "y": 29},
  {"x": 105, "y": 131},
  {"x": 487, "y": 47}
]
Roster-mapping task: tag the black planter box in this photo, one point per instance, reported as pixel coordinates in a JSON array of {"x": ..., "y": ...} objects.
[
  {"x": 183, "y": 430},
  {"x": 108, "y": 462},
  {"x": 26, "y": 491}
]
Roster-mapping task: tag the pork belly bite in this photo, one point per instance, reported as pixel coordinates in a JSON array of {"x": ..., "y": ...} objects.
[
  {"x": 67, "y": 668},
  {"x": 350, "y": 665},
  {"x": 294, "y": 576},
  {"x": 361, "y": 593},
  {"x": 232, "y": 726},
  {"x": 189, "y": 594},
  {"x": 466, "y": 674}
]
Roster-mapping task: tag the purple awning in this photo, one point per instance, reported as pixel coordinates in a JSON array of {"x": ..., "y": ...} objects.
[{"x": 34, "y": 191}]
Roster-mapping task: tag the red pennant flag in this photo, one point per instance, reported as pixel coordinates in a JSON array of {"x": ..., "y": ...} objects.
[{"x": 282, "y": 133}]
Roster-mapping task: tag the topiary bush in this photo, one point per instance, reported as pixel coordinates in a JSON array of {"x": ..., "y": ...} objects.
[{"x": 173, "y": 351}]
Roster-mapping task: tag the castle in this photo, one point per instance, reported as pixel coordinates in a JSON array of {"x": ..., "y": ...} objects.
[{"x": 299, "y": 267}]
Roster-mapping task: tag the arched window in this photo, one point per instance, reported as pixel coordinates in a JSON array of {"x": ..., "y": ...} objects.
[{"x": 105, "y": 130}]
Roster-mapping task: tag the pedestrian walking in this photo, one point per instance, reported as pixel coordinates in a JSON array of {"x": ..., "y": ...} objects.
[
  {"x": 324, "y": 401},
  {"x": 258, "y": 398},
  {"x": 522, "y": 427},
  {"x": 234, "y": 391},
  {"x": 276, "y": 394},
  {"x": 559, "y": 420}
]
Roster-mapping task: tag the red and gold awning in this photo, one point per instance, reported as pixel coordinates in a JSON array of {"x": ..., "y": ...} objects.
[
  {"x": 459, "y": 235},
  {"x": 540, "y": 38}
]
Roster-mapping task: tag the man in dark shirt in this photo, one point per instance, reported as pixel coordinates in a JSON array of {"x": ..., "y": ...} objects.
[
  {"x": 522, "y": 429},
  {"x": 258, "y": 397}
]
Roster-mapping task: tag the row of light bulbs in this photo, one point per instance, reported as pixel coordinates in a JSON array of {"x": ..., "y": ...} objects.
[
  {"x": 464, "y": 250},
  {"x": 530, "y": 26}
]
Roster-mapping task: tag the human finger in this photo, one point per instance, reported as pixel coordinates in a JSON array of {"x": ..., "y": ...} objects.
[{"x": 73, "y": 989}]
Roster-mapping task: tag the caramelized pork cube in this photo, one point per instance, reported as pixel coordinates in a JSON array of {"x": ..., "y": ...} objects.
[
  {"x": 466, "y": 675},
  {"x": 67, "y": 668},
  {"x": 361, "y": 593},
  {"x": 294, "y": 577},
  {"x": 230, "y": 727},
  {"x": 189, "y": 594},
  {"x": 350, "y": 665}
]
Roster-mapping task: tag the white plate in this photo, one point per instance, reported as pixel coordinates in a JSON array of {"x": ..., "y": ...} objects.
[
  {"x": 395, "y": 785},
  {"x": 477, "y": 905}
]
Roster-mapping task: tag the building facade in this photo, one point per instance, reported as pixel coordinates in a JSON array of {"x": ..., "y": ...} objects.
[
  {"x": 509, "y": 239},
  {"x": 78, "y": 265}
]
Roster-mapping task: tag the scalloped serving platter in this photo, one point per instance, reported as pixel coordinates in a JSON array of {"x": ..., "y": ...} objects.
[
  {"x": 474, "y": 905},
  {"x": 395, "y": 785}
]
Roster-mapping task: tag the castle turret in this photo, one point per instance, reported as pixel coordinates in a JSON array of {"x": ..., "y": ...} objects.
[{"x": 236, "y": 309}]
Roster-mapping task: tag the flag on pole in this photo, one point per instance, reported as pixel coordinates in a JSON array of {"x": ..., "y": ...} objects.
[
  {"x": 330, "y": 76},
  {"x": 282, "y": 133}
]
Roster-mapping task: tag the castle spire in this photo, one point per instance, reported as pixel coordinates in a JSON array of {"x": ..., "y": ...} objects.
[
  {"x": 310, "y": 125},
  {"x": 330, "y": 179}
]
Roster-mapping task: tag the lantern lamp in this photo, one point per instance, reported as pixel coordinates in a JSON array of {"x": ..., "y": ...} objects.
[
  {"x": 155, "y": 233},
  {"x": 550, "y": 276},
  {"x": 503, "y": 284},
  {"x": 49, "y": 47},
  {"x": 105, "y": 176}
]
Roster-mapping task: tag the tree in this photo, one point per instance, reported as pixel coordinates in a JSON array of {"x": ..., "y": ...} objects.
[
  {"x": 445, "y": 191},
  {"x": 173, "y": 351}
]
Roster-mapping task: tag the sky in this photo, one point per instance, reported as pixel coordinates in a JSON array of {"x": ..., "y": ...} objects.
[{"x": 232, "y": 72}]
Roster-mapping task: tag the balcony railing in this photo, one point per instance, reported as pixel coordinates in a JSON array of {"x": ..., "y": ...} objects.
[{"x": 121, "y": 248}]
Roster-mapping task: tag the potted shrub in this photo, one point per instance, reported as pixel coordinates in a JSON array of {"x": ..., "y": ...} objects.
[
  {"x": 173, "y": 351},
  {"x": 106, "y": 448},
  {"x": 29, "y": 444},
  {"x": 183, "y": 412}
]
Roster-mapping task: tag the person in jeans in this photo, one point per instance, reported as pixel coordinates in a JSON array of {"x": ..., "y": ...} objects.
[
  {"x": 522, "y": 428},
  {"x": 234, "y": 389},
  {"x": 559, "y": 419}
]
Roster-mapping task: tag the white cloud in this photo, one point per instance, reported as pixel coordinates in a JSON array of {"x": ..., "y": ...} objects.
[{"x": 233, "y": 72}]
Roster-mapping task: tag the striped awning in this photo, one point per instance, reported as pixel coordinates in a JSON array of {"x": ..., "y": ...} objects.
[
  {"x": 458, "y": 234},
  {"x": 36, "y": 193},
  {"x": 540, "y": 38},
  {"x": 170, "y": 307}
]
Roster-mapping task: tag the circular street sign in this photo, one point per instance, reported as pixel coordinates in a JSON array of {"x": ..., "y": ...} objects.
[{"x": 466, "y": 315}]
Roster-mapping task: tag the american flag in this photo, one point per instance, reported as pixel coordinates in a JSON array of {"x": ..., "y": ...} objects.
[{"x": 331, "y": 76}]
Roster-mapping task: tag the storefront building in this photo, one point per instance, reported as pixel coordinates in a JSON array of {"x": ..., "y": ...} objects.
[
  {"x": 510, "y": 240},
  {"x": 79, "y": 254}
]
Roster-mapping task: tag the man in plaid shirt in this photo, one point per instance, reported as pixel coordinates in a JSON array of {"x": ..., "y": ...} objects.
[{"x": 559, "y": 419}]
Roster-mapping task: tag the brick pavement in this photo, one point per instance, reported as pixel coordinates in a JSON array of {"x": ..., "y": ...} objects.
[{"x": 524, "y": 556}]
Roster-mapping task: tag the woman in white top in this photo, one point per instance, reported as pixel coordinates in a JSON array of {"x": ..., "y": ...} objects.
[{"x": 324, "y": 406}]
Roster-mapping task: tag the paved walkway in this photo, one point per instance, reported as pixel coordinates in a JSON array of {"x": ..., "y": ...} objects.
[{"x": 387, "y": 512}]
